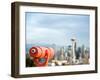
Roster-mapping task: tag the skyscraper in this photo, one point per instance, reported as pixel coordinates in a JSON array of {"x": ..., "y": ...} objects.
[
  {"x": 62, "y": 55},
  {"x": 83, "y": 51},
  {"x": 69, "y": 55}
]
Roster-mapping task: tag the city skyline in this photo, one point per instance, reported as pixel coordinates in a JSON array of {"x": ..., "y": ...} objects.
[{"x": 43, "y": 28}]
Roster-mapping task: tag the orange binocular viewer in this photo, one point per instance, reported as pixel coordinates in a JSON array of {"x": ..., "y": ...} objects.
[{"x": 41, "y": 55}]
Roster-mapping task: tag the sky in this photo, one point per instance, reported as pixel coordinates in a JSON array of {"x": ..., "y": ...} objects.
[{"x": 59, "y": 29}]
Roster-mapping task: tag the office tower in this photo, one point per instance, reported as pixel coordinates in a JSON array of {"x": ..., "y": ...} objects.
[
  {"x": 78, "y": 53},
  {"x": 83, "y": 51},
  {"x": 87, "y": 52},
  {"x": 86, "y": 56},
  {"x": 62, "y": 55},
  {"x": 69, "y": 54},
  {"x": 55, "y": 51}
]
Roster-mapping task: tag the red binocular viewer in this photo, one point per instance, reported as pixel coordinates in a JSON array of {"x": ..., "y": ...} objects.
[{"x": 41, "y": 55}]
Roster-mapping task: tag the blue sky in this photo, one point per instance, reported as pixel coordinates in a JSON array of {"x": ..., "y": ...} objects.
[{"x": 46, "y": 28}]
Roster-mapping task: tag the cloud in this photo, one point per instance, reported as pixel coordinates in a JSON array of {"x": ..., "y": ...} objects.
[{"x": 56, "y": 28}]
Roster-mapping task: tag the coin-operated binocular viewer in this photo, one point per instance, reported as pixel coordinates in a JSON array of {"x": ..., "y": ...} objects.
[{"x": 41, "y": 55}]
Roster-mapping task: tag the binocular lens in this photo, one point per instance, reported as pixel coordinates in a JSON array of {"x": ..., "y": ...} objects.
[
  {"x": 42, "y": 60},
  {"x": 33, "y": 50}
]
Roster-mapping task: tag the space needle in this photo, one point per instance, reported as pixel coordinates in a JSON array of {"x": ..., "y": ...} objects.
[{"x": 73, "y": 49}]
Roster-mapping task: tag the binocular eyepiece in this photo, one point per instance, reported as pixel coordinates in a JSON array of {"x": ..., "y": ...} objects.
[{"x": 41, "y": 53}]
